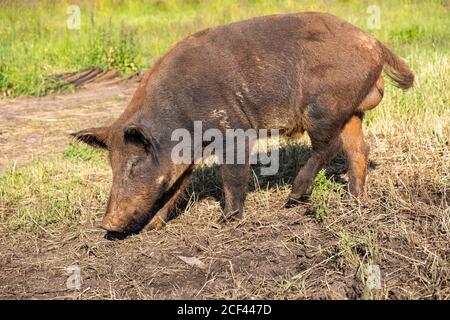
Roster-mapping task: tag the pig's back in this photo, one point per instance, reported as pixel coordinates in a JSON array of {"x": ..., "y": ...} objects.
[{"x": 266, "y": 66}]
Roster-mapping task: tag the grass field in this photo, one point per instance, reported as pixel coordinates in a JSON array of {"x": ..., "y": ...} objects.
[
  {"x": 53, "y": 191},
  {"x": 36, "y": 43}
]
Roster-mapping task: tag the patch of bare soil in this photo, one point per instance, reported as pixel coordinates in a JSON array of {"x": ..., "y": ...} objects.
[
  {"x": 272, "y": 254},
  {"x": 31, "y": 127}
]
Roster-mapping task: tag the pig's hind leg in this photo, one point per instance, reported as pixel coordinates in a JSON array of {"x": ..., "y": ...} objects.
[
  {"x": 328, "y": 133},
  {"x": 357, "y": 151},
  {"x": 322, "y": 153},
  {"x": 323, "y": 127},
  {"x": 354, "y": 146}
]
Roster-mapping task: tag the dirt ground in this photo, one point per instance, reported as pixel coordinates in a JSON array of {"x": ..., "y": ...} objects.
[
  {"x": 401, "y": 229},
  {"x": 38, "y": 126}
]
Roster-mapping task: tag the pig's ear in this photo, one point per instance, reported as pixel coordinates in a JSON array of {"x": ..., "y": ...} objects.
[
  {"x": 138, "y": 134},
  {"x": 96, "y": 137}
]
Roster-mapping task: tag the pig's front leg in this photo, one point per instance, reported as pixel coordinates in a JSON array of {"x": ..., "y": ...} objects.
[
  {"x": 159, "y": 220},
  {"x": 235, "y": 181},
  {"x": 162, "y": 216}
]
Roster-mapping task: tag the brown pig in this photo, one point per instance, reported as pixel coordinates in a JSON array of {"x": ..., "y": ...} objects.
[{"x": 299, "y": 72}]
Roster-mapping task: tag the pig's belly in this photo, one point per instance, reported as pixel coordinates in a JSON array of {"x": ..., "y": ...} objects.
[{"x": 283, "y": 118}]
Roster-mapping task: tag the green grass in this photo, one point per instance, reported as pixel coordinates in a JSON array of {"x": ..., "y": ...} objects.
[
  {"x": 324, "y": 191},
  {"x": 78, "y": 152},
  {"x": 35, "y": 43},
  {"x": 70, "y": 188}
]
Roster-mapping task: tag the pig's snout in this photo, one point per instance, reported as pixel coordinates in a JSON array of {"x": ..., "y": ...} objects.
[
  {"x": 120, "y": 223},
  {"x": 109, "y": 224}
]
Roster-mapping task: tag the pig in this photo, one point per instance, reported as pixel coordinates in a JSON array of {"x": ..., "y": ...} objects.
[{"x": 295, "y": 72}]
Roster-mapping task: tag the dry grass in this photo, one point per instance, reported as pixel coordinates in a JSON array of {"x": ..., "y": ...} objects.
[{"x": 402, "y": 226}]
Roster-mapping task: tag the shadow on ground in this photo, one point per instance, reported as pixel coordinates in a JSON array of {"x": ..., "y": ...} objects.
[{"x": 206, "y": 181}]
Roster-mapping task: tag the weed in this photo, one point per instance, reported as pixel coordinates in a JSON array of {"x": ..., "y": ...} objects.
[{"x": 324, "y": 191}]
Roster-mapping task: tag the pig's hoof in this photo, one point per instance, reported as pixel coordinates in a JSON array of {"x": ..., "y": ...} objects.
[
  {"x": 231, "y": 216},
  {"x": 155, "y": 224},
  {"x": 295, "y": 200}
]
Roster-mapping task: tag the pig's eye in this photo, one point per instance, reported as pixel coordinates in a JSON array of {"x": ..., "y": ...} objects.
[{"x": 133, "y": 164}]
